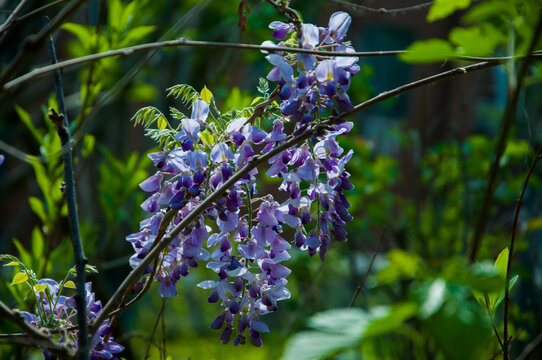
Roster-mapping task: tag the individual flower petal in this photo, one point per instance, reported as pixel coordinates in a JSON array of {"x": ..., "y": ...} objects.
[
  {"x": 281, "y": 29},
  {"x": 310, "y": 37},
  {"x": 200, "y": 111},
  {"x": 285, "y": 69},
  {"x": 339, "y": 23},
  {"x": 152, "y": 184},
  {"x": 309, "y": 171},
  {"x": 221, "y": 153},
  {"x": 324, "y": 71}
]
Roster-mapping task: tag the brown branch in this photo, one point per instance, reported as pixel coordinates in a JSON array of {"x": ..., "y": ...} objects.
[
  {"x": 8, "y": 86},
  {"x": 179, "y": 43},
  {"x": 383, "y": 11},
  {"x": 508, "y": 118},
  {"x": 420, "y": 83},
  {"x": 362, "y": 282}
]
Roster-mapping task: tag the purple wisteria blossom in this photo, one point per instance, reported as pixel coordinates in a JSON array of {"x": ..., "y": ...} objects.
[{"x": 240, "y": 236}]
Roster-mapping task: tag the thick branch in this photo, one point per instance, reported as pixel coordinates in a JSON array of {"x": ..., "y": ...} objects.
[{"x": 61, "y": 122}]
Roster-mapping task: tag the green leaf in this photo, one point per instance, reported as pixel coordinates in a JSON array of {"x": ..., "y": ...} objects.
[
  {"x": 69, "y": 284},
  {"x": 427, "y": 51},
  {"x": 186, "y": 92},
  {"x": 19, "y": 278},
  {"x": 83, "y": 33},
  {"x": 147, "y": 116},
  {"x": 402, "y": 265},
  {"x": 37, "y": 244},
  {"x": 434, "y": 298},
  {"x": 38, "y": 208},
  {"x": 40, "y": 287},
  {"x": 502, "y": 262},
  {"x": 477, "y": 40},
  {"x": 89, "y": 141},
  {"x": 134, "y": 35},
  {"x": 206, "y": 95},
  {"x": 340, "y": 329},
  {"x": 207, "y": 138},
  {"x": 25, "y": 255},
  {"x": 13, "y": 263},
  {"x": 161, "y": 123},
  {"x": 256, "y": 101},
  {"x": 25, "y": 119},
  {"x": 442, "y": 8}
]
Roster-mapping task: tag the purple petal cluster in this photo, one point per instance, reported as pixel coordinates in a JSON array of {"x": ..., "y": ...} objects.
[
  {"x": 53, "y": 310},
  {"x": 240, "y": 236}
]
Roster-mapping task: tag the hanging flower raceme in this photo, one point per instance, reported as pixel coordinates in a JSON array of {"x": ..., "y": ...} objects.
[{"x": 240, "y": 236}]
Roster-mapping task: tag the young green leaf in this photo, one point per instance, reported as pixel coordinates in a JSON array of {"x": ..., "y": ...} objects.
[
  {"x": 442, "y": 8},
  {"x": 206, "y": 95},
  {"x": 19, "y": 278}
]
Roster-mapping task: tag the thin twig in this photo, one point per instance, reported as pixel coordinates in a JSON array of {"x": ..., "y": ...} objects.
[
  {"x": 33, "y": 43},
  {"x": 519, "y": 203},
  {"x": 37, "y": 11},
  {"x": 7, "y": 24},
  {"x": 420, "y": 83},
  {"x": 383, "y": 11},
  {"x": 28, "y": 15},
  {"x": 362, "y": 282},
  {"x": 62, "y": 125},
  {"x": 508, "y": 118},
  {"x": 8, "y": 86},
  {"x": 147, "y": 352}
]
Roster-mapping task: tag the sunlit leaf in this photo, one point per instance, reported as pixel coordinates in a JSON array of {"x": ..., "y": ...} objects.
[
  {"x": 206, "y": 95},
  {"x": 161, "y": 123},
  {"x": 442, "y": 8},
  {"x": 69, "y": 284},
  {"x": 13, "y": 263},
  {"x": 428, "y": 51},
  {"x": 40, "y": 287},
  {"x": 19, "y": 278}
]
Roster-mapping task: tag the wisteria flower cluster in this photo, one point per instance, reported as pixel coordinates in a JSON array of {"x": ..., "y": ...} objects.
[
  {"x": 57, "y": 311},
  {"x": 241, "y": 236}
]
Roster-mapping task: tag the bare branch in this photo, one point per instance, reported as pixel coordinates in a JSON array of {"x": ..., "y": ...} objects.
[
  {"x": 10, "y": 20},
  {"x": 383, "y": 11}
]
